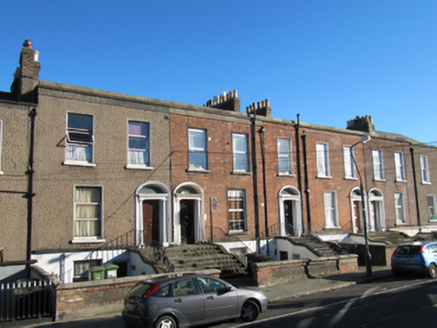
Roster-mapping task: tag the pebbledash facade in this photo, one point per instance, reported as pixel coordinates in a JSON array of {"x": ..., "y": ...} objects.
[{"x": 86, "y": 174}]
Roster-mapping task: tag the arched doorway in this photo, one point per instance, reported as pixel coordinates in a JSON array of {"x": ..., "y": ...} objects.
[
  {"x": 289, "y": 212},
  {"x": 376, "y": 212},
  {"x": 152, "y": 223},
  {"x": 188, "y": 214}
]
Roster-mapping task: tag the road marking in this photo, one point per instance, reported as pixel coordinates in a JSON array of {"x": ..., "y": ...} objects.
[{"x": 337, "y": 303}]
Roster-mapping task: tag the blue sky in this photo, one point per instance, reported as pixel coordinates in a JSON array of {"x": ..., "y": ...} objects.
[{"x": 328, "y": 60}]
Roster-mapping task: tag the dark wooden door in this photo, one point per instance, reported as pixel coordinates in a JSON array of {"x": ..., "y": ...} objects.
[{"x": 151, "y": 221}]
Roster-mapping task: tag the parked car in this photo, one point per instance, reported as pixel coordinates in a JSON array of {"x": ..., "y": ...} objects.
[
  {"x": 415, "y": 257},
  {"x": 173, "y": 301}
]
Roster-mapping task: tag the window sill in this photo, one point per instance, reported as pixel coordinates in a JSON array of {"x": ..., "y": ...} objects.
[
  {"x": 351, "y": 178},
  {"x": 198, "y": 171},
  {"x": 404, "y": 181},
  {"x": 138, "y": 167},
  {"x": 323, "y": 177},
  {"x": 73, "y": 163},
  {"x": 237, "y": 232},
  {"x": 287, "y": 175},
  {"x": 379, "y": 180},
  {"x": 241, "y": 173},
  {"x": 331, "y": 228},
  {"x": 1, "y": 173},
  {"x": 87, "y": 241},
  {"x": 423, "y": 182}
]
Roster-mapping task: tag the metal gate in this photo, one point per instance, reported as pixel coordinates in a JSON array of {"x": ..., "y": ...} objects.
[{"x": 26, "y": 300}]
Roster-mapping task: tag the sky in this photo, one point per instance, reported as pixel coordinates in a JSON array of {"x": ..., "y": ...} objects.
[{"x": 326, "y": 60}]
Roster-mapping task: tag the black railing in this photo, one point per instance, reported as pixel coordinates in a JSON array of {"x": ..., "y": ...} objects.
[{"x": 27, "y": 300}]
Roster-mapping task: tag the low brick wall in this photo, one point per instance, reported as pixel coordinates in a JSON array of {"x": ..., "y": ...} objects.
[
  {"x": 279, "y": 272},
  {"x": 91, "y": 298}
]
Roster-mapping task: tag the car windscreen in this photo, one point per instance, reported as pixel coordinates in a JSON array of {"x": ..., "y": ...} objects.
[
  {"x": 140, "y": 289},
  {"x": 409, "y": 250}
]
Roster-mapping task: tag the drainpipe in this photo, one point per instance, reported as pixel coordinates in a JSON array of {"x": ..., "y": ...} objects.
[
  {"x": 255, "y": 180},
  {"x": 30, "y": 194},
  {"x": 307, "y": 189},
  {"x": 299, "y": 169},
  {"x": 413, "y": 165},
  {"x": 263, "y": 158}
]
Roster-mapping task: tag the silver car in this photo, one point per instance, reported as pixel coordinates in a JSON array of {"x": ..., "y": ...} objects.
[{"x": 182, "y": 301}]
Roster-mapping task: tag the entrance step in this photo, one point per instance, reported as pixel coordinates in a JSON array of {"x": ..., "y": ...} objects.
[{"x": 315, "y": 245}]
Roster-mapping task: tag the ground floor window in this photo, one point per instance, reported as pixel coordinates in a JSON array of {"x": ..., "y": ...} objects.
[
  {"x": 331, "y": 213},
  {"x": 431, "y": 207},
  {"x": 88, "y": 213},
  {"x": 237, "y": 209},
  {"x": 81, "y": 269},
  {"x": 399, "y": 208}
]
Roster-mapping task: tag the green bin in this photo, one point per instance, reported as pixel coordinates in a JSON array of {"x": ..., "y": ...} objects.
[
  {"x": 97, "y": 273},
  {"x": 110, "y": 271}
]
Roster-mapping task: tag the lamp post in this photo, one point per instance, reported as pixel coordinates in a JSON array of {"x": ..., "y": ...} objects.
[{"x": 368, "y": 256}]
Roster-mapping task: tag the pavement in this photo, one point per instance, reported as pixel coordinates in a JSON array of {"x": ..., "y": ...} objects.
[
  {"x": 275, "y": 293},
  {"x": 303, "y": 287}
]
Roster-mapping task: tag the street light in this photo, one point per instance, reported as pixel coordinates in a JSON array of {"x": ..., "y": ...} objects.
[{"x": 368, "y": 256}]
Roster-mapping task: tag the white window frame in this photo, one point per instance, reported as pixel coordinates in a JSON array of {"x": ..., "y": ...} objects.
[
  {"x": 424, "y": 169},
  {"x": 145, "y": 151},
  {"x": 431, "y": 207},
  {"x": 196, "y": 150},
  {"x": 91, "y": 238},
  {"x": 350, "y": 171},
  {"x": 74, "y": 142},
  {"x": 322, "y": 154},
  {"x": 399, "y": 166},
  {"x": 81, "y": 269},
  {"x": 232, "y": 222},
  {"x": 378, "y": 165},
  {"x": 331, "y": 209},
  {"x": 240, "y": 153},
  {"x": 285, "y": 157},
  {"x": 399, "y": 208}
]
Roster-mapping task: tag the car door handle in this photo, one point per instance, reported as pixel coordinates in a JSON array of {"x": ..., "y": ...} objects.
[
  {"x": 178, "y": 300},
  {"x": 210, "y": 298}
]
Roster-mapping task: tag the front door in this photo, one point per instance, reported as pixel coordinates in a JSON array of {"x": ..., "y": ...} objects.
[
  {"x": 187, "y": 215},
  {"x": 151, "y": 221},
  {"x": 288, "y": 216},
  {"x": 357, "y": 215}
]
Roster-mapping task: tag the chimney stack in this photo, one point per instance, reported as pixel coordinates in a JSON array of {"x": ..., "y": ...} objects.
[
  {"x": 226, "y": 101},
  {"x": 361, "y": 123},
  {"x": 26, "y": 76},
  {"x": 261, "y": 108}
]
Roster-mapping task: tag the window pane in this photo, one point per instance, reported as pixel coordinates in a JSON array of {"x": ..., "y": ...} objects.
[
  {"x": 240, "y": 152},
  {"x": 139, "y": 143},
  {"x": 197, "y": 149},
  {"x": 322, "y": 160},
  {"x": 88, "y": 212},
  {"x": 236, "y": 208},
  {"x": 79, "y": 121},
  {"x": 284, "y": 156}
]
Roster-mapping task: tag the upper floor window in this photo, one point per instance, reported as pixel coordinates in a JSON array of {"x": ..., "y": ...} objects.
[
  {"x": 285, "y": 159},
  {"x": 88, "y": 213},
  {"x": 349, "y": 166},
  {"x": 240, "y": 149},
  {"x": 322, "y": 160},
  {"x": 237, "y": 210},
  {"x": 424, "y": 169},
  {"x": 378, "y": 165},
  {"x": 80, "y": 139},
  {"x": 400, "y": 167},
  {"x": 331, "y": 213},
  {"x": 138, "y": 144},
  {"x": 399, "y": 208},
  {"x": 197, "y": 150},
  {"x": 431, "y": 207}
]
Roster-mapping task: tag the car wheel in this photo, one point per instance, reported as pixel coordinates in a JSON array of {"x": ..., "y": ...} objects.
[
  {"x": 249, "y": 311},
  {"x": 432, "y": 270},
  {"x": 166, "y": 322}
]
